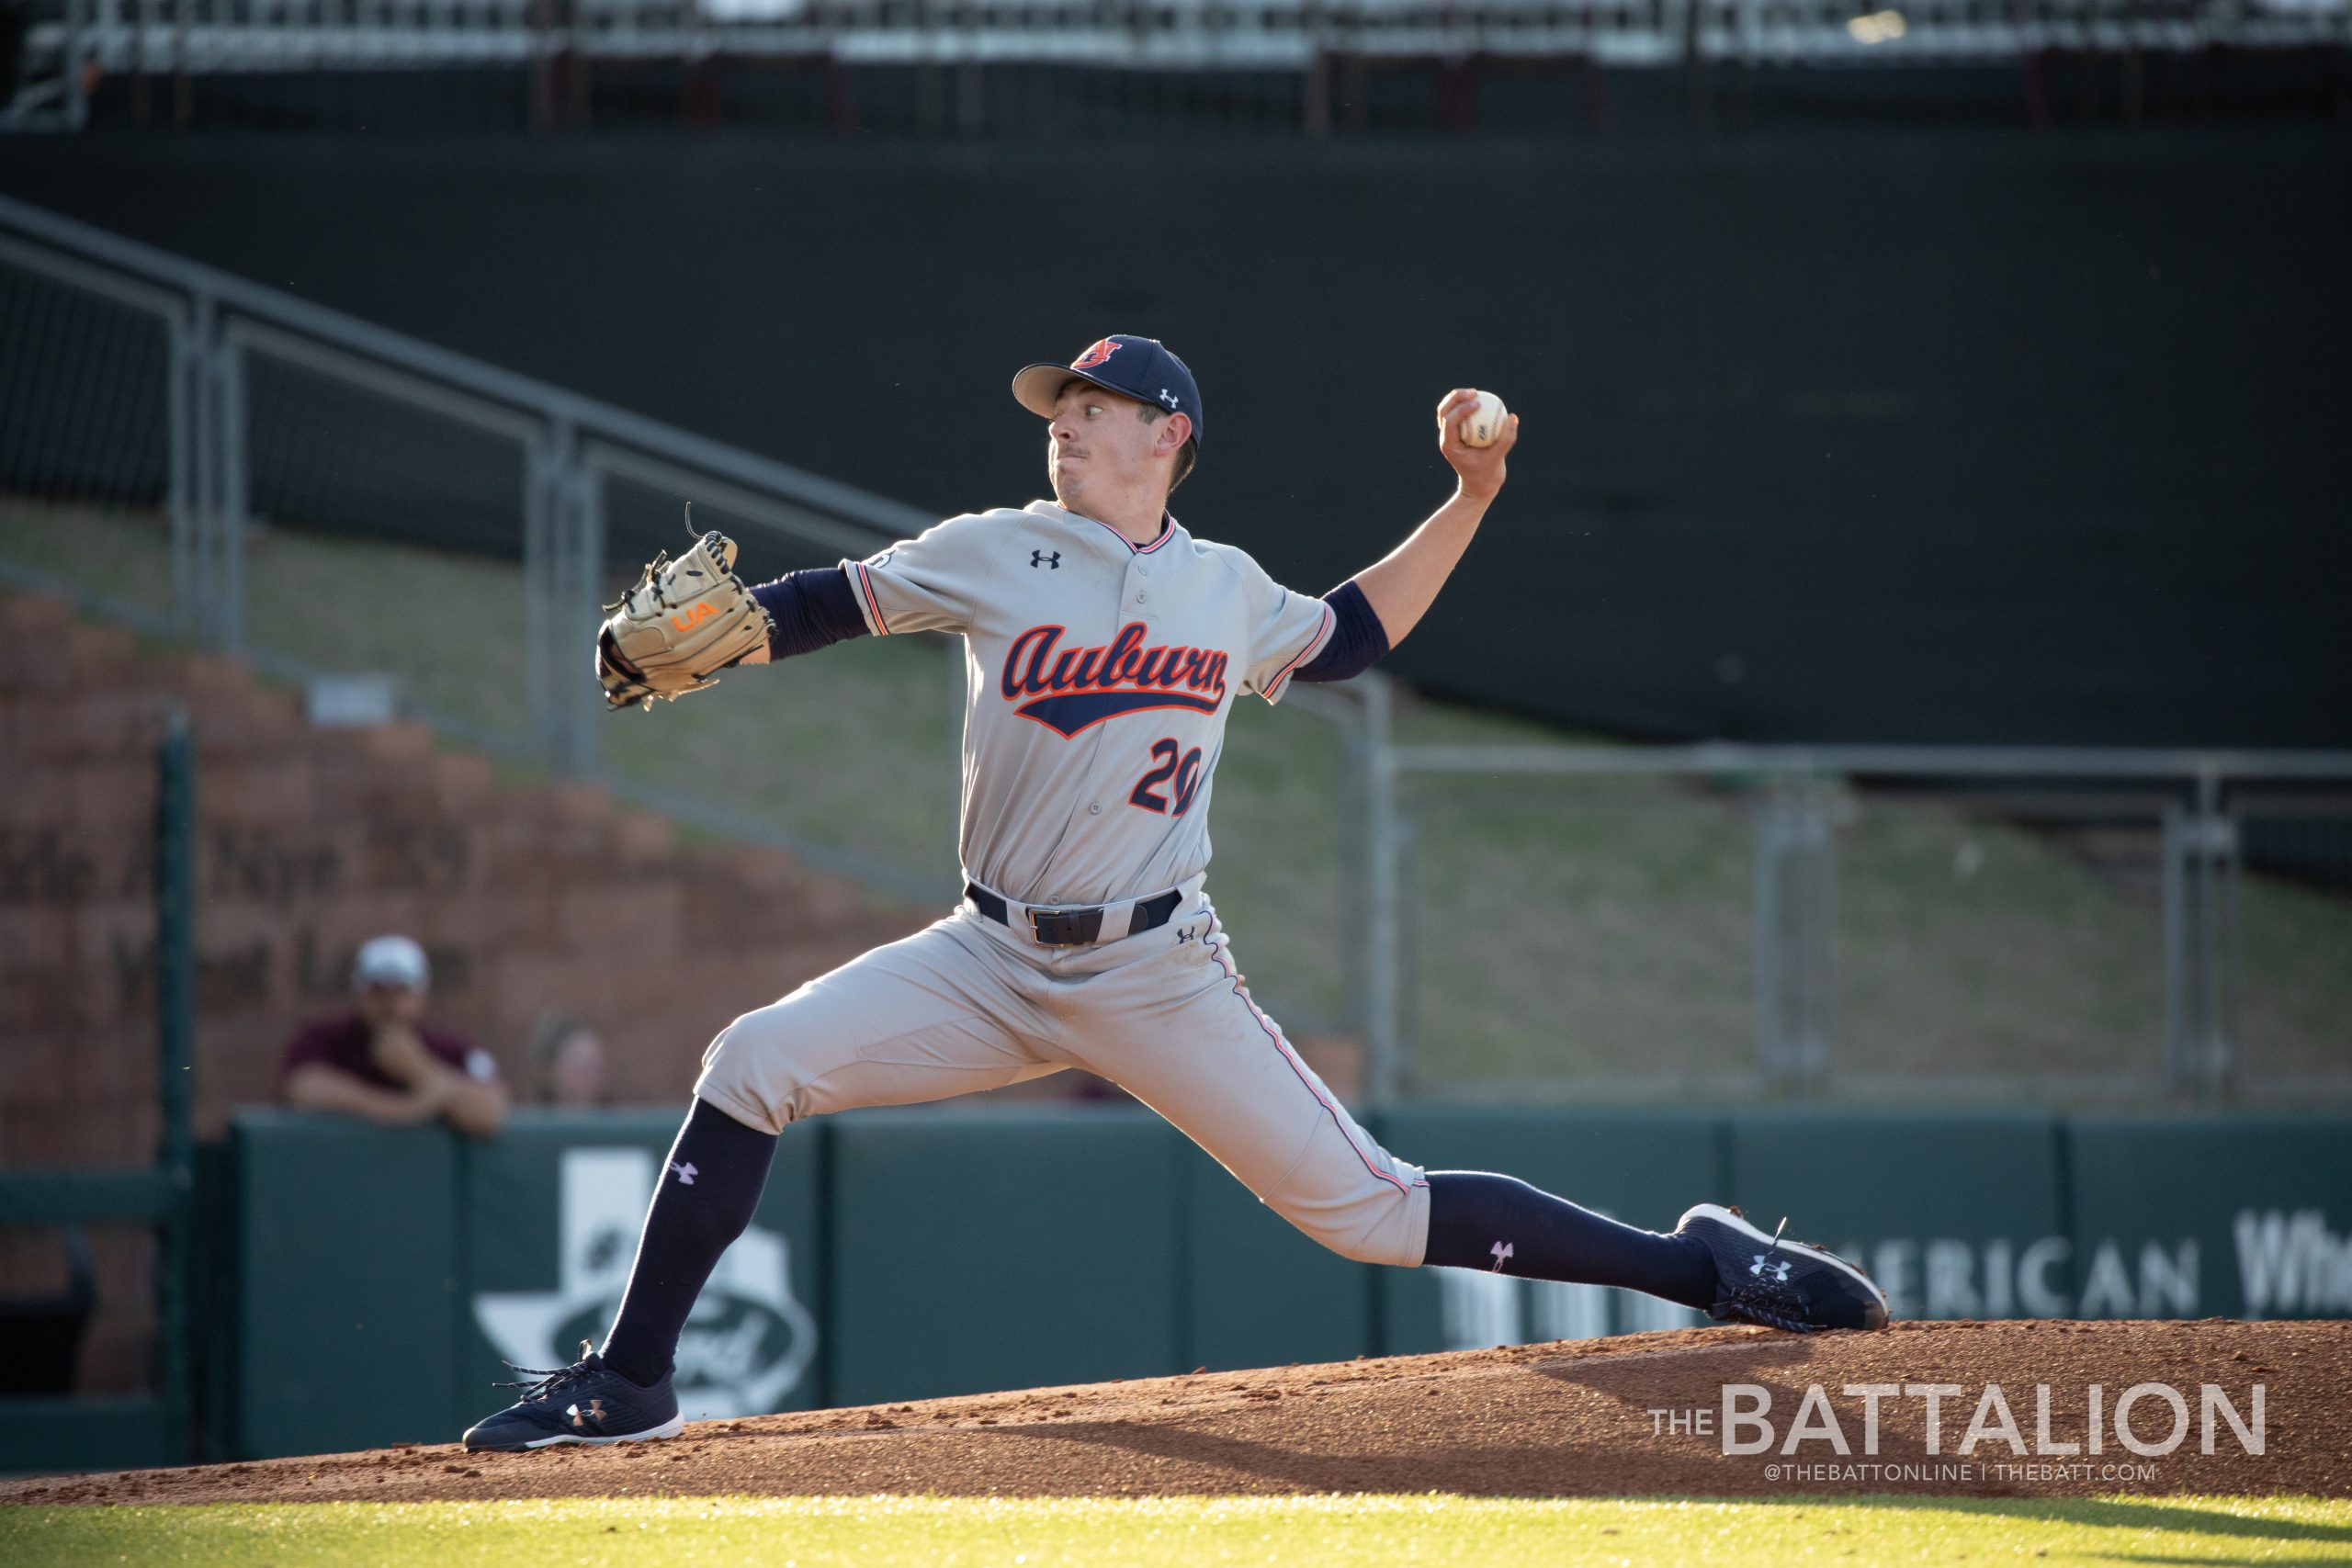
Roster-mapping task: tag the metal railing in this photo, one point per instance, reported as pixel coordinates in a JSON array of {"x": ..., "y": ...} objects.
[
  {"x": 156, "y": 1427},
  {"x": 185, "y": 38},
  {"x": 567, "y": 451},
  {"x": 2196, "y": 804}
]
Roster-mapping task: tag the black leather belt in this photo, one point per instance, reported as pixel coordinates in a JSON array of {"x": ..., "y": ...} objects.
[{"x": 1074, "y": 927}]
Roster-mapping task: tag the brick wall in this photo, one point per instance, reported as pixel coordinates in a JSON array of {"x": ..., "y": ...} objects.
[{"x": 528, "y": 898}]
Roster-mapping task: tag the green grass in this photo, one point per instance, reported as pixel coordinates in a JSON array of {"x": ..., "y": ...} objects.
[
  {"x": 1568, "y": 929},
  {"x": 1364, "y": 1532}
]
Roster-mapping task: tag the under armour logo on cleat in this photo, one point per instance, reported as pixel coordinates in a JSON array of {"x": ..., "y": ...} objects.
[
  {"x": 1050, "y": 559},
  {"x": 686, "y": 1172},
  {"x": 593, "y": 1417},
  {"x": 1763, "y": 1268},
  {"x": 1502, "y": 1251}
]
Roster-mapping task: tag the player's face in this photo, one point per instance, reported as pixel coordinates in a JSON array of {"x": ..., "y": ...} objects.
[{"x": 1097, "y": 444}]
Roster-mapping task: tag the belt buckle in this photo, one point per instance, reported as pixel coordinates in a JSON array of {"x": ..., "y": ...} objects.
[{"x": 1064, "y": 927}]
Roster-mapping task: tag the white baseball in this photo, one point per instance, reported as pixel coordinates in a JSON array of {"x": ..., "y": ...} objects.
[{"x": 1484, "y": 421}]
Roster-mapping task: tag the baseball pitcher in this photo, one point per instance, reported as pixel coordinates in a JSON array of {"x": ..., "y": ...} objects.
[{"x": 1105, "y": 644}]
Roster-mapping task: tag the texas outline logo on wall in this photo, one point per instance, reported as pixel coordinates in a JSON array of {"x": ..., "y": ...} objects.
[{"x": 749, "y": 1341}]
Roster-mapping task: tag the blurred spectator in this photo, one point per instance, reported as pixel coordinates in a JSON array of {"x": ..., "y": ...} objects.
[
  {"x": 383, "y": 1063},
  {"x": 567, "y": 1064}
]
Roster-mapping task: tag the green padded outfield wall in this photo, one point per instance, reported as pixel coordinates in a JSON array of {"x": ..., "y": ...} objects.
[
  {"x": 1954, "y": 1215},
  {"x": 2197, "y": 1216},
  {"x": 1641, "y": 1167},
  {"x": 346, "y": 1284},
  {"x": 899, "y": 1254},
  {"x": 434, "y": 1260},
  {"x": 1002, "y": 1249},
  {"x": 553, "y": 1209},
  {"x": 1258, "y": 1293}
]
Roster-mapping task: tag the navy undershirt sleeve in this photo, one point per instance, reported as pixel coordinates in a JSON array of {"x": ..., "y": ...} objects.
[
  {"x": 811, "y": 609},
  {"x": 1358, "y": 639}
]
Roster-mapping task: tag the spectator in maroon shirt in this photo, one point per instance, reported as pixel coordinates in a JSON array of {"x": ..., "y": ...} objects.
[{"x": 382, "y": 1064}]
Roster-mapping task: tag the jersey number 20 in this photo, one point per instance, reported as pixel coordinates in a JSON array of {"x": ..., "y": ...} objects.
[{"x": 1184, "y": 769}]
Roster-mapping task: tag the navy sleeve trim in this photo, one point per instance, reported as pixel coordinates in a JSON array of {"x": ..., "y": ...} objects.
[
  {"x": 1358, "y": 639},
  {"x": 811, "y": 609}
]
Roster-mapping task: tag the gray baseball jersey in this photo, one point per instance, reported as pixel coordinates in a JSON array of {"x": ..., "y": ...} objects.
[{"x": 1099, "y": 679}]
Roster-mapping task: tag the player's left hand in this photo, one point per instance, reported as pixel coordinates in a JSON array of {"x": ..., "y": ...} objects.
[
  {"x": 1480, "y": 468},
  {"x": 685, "y": 621}
]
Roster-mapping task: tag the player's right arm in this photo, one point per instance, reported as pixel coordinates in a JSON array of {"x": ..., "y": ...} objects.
[{"x": 1401, "y": 585}]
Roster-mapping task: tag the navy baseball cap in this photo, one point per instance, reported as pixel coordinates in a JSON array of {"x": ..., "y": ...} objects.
[{"x": 1137, "y": 368}]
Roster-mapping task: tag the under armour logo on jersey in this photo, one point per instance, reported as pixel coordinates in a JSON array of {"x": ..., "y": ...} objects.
[
  {"x": 1102, "y": 350},
  {"x": 1763, "y": 1268},
  {"x": 1502, "y": 1251},
  {"x": 1168, "y": 397},
  {"x": 1050, "y": 559},
  {"x": 686, "y": 1172}
]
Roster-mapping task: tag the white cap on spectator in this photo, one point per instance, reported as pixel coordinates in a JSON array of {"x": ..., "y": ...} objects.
[{"x": 388, "y": 960}]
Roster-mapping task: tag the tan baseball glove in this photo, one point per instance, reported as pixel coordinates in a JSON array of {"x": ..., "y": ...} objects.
[{"x": 685, "y": 621}]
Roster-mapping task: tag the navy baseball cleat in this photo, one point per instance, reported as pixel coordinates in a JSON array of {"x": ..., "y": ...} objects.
[
  {"x": 586, "y": 1401},
  {"x": 1780, "y": 1284}
]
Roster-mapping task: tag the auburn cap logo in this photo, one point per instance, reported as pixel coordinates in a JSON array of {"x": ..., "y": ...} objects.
[{"x": 1096, "y": 355}]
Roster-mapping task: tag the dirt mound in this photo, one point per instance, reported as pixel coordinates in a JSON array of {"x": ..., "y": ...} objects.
[{"x": 1642, "y": 1414}]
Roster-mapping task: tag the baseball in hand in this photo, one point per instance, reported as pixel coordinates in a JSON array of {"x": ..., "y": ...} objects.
[{"x": 1484, "y": 420}]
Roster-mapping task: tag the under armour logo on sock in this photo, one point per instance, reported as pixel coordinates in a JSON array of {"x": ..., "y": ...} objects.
[
  {"x": 1502, "y": 1251},
  {"x": 1765, "y": 1269},
  {"x": 686, "y": 1172}
]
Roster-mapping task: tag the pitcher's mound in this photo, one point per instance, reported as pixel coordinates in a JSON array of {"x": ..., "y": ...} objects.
[{"x": 1642, "y": 1414}]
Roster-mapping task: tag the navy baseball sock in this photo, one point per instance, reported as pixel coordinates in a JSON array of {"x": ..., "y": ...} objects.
[
  {"x": 716, "y": 1171},
  {"x": 1499, "y": 1223}
]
